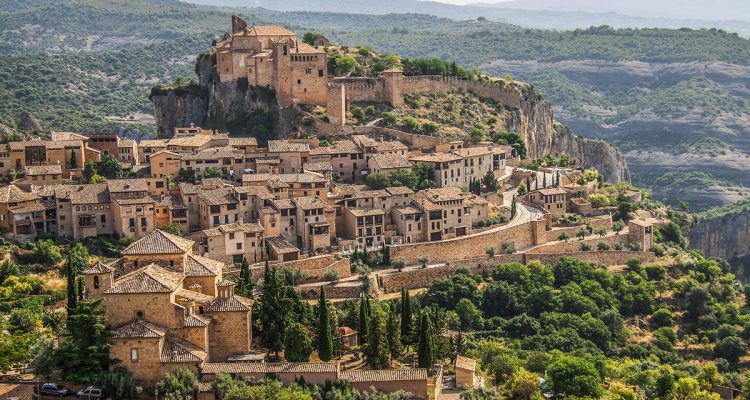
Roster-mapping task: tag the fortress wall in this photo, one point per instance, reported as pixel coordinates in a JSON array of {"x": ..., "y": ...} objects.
[
  {"x": 609, "y": 257},
  {"x": 363, "y": 89},
  {"x": 575, "y": 245},
  {"x": 494, "y": 92},
  {"x": 469, "y": 246},
  {"x": 415, "y": 141}
]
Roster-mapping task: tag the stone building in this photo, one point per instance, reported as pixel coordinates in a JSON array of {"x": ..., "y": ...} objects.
[
  {"x": 273, "y": 57},
  {"x": 231, "y": 243},
  {"x": 449, "y": 212},
  {"x": 169, "y": 308},
  {"x": 554, "y": 200}
]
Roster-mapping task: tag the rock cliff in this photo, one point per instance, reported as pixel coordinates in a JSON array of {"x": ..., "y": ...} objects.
[
  {"x": 209, "y": 101},
  {"x": 724, "y": 236}
]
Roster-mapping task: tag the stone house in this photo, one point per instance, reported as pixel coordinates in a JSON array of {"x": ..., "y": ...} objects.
[
  {"x": 316, "y": 223},
  {"x": 217, "y": 207},
  {"x": 387, "y": 164},
  {"x": 449, "y": 212},
  {"x": 148, "y": 147},
  {"x": 447, "y": 169},
  {"x": 466, "y": 369},
  {"x": 554, "y": 200},
  {"x": 165, "y": 163},
  {"x": 231, "y": 243},
  {"x": 83, "y": 210},
  {"x": 43, "y": 175},
  {"x": 169, "y": 308},
  {"x": 366, "y": 226}
]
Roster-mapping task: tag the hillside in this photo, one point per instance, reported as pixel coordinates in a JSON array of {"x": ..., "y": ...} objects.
[{"x": 649, "y": 91}]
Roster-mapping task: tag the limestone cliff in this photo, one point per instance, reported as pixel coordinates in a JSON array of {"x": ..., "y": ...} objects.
[
  {"x": 591, "y": 153},
  {"x": 724, "y": 236}
]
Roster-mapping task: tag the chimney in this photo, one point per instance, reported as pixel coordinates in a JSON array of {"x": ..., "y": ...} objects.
[{"x": 190, "y": 307}]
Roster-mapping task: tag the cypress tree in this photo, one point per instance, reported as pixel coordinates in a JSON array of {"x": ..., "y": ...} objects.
[
  {"x": 80, "y": 287},
  {"x": 325, "y": 340},
  {"x": 557, "y": 181},
  {"x": 394, "y": 333},
  {"x": 364, "y": 322},
  {"x": 245, "y": 284},
  {"x": 72, "y": 291},
  {"x": 272, "y": 310},
  {"x": 528, "y": 184},
  {"x": 406, "y": 319},
  {"x": 378, "y": 351},
  {"x": 425, "y": 346},
  {"x": 544, "y": 179}
]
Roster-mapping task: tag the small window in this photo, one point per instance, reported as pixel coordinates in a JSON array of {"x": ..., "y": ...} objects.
[
  {"x": 96, "y": 282},
  {"x": 134, "y": 354}
]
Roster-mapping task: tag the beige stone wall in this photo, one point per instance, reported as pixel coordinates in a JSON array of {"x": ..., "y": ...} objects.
[
  {"x": 229, "y": 333},
  {"x": 148, "y": 368},
  {"x": 610, "y": 257},
  {"x": 336, "y": 104},
  {"x": 417, "y": 388},
  {"x": 575, "y": 245},
  {"x": 207, "y": 283},
  {"x": 196, "y": 335},
  {"x": 122, "y": 308},
  {"x": 554, "y": 233},
  {"x": 314, "y": 267}
]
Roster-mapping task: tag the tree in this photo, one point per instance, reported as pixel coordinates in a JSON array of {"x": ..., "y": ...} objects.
[
  {"x": 110, "y": 167},
  {"x": 393, "y": 333},
  {"x": 73, "y": 160},
  {"x": 602, "y": 232},
  {"x": 364, "y": 322},
  {"x": 731, "y": 348},
  {"x": 173, "y": 228},
  {"x": 378, "y": 351},
  {"x": 309, "y": 38},
  {"x": 490, "y": 251},
  {"x": 423, "y": 260},
  {"x": 671, "y": 233},
  {"x": 425, "y": 343},
  {"x": 89, "y": 170},
  {"x": 212, "y": 172},
  {"x": 574, "y": 376},
  {"x": 581, "y": 234},
  {"x": 406, "y": 318},
  {"x": 345, "y": 65},
  {"x": 399, "y": 263},
  {"x": 46, "y": 252},
  {"x": 119, "y": 384},
  {"x": 245, "y": 281},
  {"x": 325, "y": 340},
  {"x": 563, "y": 237},
  {"x": 84, "y": 354},
  {"x": 618, "y": 226},
  {"x": 332, "y": 275},
  {"x": 524, "y": 385},
  {"x": 544, "y": 179},
  {"x": 42, "y": 356},
  {"x": 72, "y": 286},
  {"x": 522, "y": 189},
  {"x": 513, "y": 208},
  {"x": 378, "y": 181},
  {"x": 273, "y": 303},
  {"x": 186, "y": 175},
  {"x": 178, "y": 384},
  {"x": 297, "y": 343},
  {"x": 96, "y": 178}
]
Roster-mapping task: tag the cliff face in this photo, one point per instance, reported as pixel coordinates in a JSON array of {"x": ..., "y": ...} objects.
[
  {"x": 725, "y": 237},
  {"x": 211, "y": 100},
  {"x": 591, "y": 153}
]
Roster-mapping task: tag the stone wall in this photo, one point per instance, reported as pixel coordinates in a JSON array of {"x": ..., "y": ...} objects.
[
  {"x": 470, "y": 246},
  {"x": 333, "y": 291},
  {"x": 575, "y": 245},
  {"x": 429, "y": 83},
  {"x": 415, "y": 141},
  {"x": 604, "y": 222},
  {"x": 609, "y": 257},
  {"x": 313, "y": 267}
]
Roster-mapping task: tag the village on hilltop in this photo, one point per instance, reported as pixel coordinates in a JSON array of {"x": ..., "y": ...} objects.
[{"x": 202, "y": 202}]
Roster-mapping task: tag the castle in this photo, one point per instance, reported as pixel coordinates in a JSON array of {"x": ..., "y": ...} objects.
[{"x": 273, "y": 57}]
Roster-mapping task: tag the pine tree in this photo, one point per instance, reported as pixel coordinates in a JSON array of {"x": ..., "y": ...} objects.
[
  {"x": 325, "y": 340},
  {"x": 378, "y": 351},
  {"x": 364, "y": 322},
  {"x": 425, "y": 344},
  {"x": 406, "y": 318},
  {"x": 394, "y": 333}
]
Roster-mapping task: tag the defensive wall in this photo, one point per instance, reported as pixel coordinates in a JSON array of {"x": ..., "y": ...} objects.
[{"x": 423, "y": 277}]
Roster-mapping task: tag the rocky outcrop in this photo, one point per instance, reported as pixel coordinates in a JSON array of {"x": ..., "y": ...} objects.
[
  {"x": 208, "y": 100},
  {"x": 29, "y": 123},
  {"x": 591, "y": 153},
  {"x": 725, "y": 236}
]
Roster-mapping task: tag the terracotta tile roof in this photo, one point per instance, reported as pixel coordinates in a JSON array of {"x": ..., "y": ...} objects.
[
  {"x": 190, "y": 141},
  {"x": 473, "y": 151},
  {"x": 268, "y": 30},
  {"x": 138, "y": 200},
  {"x": 193, "y": 321},
  {"x": 159, "y": 242},
  {"x": 466, "y": 363},
  {"x": 317, "y": 166},
  {"x": 436, "y": 158},
  {"x": 269, "y": 368},
  {"x": 444, "y": 194},
  {"x": 219, "y": 196},
  {"x": 310, "y": 203},
  {"x": 408, "y": 210},
  {"x": 247, "y": 227},
  {"x": 399, "y": 190},
  {"x": 32, "y": 170},
  {"x": 61, "y": 144},
  {"x": 153, "y": 143},
  {"x": 213, "y": 153},
  {"x": 12, "y": 194},
  {"x": 88, "y": 194},
  {"x": 126, "y": 143},
  {"x": 179, "y": 351},
  {"x": 552, "y": 191},
  {"x": 390, "y": 145},
  {"x": 173, "y": 201},
  {"x": 98, "y": 268},
  {"x": 59, "y": 136},
  {"x": 127, "y": 185},
  {"x": 149, "y": 279},
  {"x": 226, "y": 283},
  {"x": 285, "y": 146},
  {"x": 391, "y": 161},
  {"x": 29, "y": 208},
  {"x": 230, "y": 304},
  {"x": 349, "y": 190},
  {"x": 192, "y": 295},
  {"x": 341, "y": 147},
  {"x": 139, "y": 329},
  {"x": 267, "y": 160},
  {"x": 243, "y": 141},
  {"x": 365, "y": 212},
  {"x": 188, "y": 188},
  {"x": 384, "y": 375},
  {"x": 284, "y": 204},
  {"x": 259, "y": 191},
  {"x": 281, "y": 245},
  {"x": 202, "y": 266}
]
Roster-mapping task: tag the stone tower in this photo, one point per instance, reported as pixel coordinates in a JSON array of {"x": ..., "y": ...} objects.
[
  {"x": 393, "y": 78},
  {"x": 336, "y": 104},
  {"x": 98, "y": 279},
  {"x": 238, "y": 24},
  {"x": 282, "y": 72}
]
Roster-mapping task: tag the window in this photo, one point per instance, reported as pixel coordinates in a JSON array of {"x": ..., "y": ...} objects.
[
  {"x": 239, "y": 246},
  {"x": 96, "y": 282},
  {"x": 104, "y": 218},
  {"x": 308, "y": 71},
  {"x": 231, "y": 236},
  {"x": 134, "y": 354},
  {"x": 320, "y": 72},
  {"x": 299, "y": 81},
  {"x": 160, "y": 184}
]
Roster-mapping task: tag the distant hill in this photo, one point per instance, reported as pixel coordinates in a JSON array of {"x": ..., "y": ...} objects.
[{"x": 528, "y": 13}]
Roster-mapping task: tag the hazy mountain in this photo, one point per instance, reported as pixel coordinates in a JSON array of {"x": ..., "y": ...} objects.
[
  {"x": 679, "y": 9},
  {"x": 528, "y": 13}
]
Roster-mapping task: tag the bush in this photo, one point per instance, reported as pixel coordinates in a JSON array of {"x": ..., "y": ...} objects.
[
  {"x": 411, "y": 124},
  {"x": 332, "y": 275},
  {"x": 603, "y": 246},
  {"x": 658, "y": 250},
  {"x": 509, "y": 247},
  {"x": 389, "y": 118},
  {"x": 661, "y": 318},
  {"x": 430, "y": 127},
  {"x": 585, "y": 247}
]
